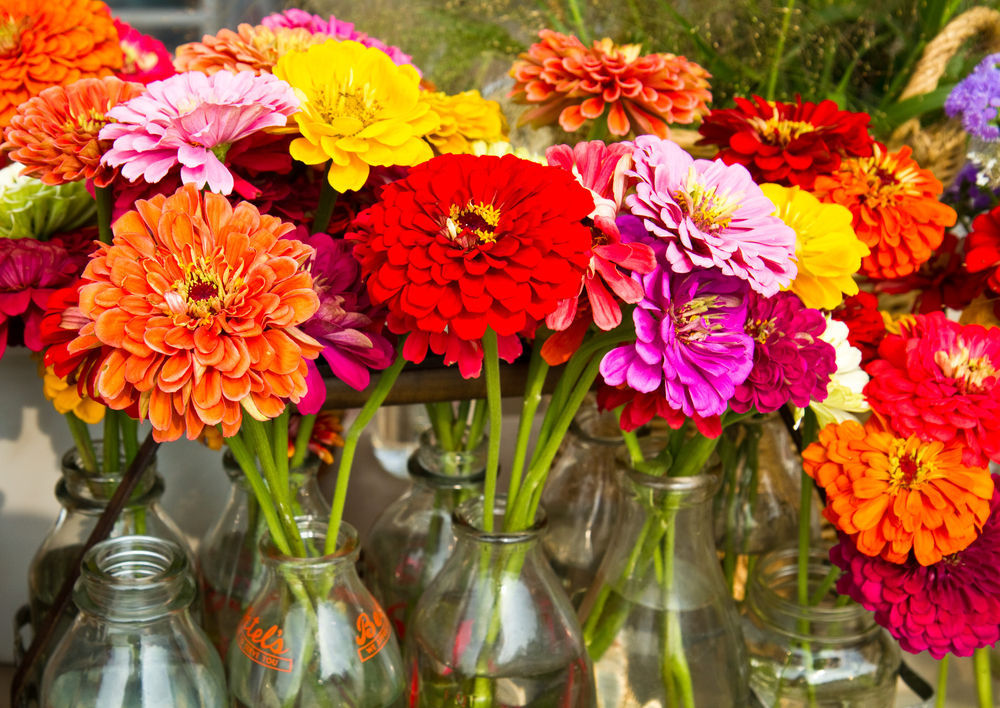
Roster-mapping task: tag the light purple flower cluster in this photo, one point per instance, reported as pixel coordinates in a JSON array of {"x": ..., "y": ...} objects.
[
  {"x": 976, "y": 98},
  {"x": 337, "y": 29},
  {"x": 952, "y": 606},
  {"x": 790, "y": 361}
]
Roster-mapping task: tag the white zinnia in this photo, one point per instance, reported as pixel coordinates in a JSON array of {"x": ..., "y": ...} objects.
[{"x": 844, "y": 395}]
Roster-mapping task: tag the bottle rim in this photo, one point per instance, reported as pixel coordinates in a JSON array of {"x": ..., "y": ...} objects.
[
  {"x": 467, "y": 520},
  {"x": 315, "y": 530}
]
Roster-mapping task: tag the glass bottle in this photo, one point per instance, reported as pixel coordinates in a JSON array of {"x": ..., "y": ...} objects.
[
  {"x": 826, "y": 655},
  {"x": 412, "y": 538},
  {"x": 495, "y": 627},
  {"x": 229, "y": 556},
  {"x": 134, "y": 644},
  {"x": 659, "y": 622},
  {"x": 313, "y": 635},
  {"x": 582, "y": 496}
]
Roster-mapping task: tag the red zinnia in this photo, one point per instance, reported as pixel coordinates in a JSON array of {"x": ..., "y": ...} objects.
[
  {"x": 640, "y": 408},
  {"x": 865, "y": 324},
  {"x": 464, "y": 243},
  {"x": 982, "y": 247},
  {"x": 788, "y": 144}
]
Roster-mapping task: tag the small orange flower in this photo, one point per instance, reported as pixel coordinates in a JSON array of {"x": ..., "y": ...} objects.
[
  {"x": 894, "y": 494},
  {"x": 251, "y": 48},
  {"x": 54, "y": 134},
  {"x": 200, "y": 304},
  {"x": 52, "y": 43},
  {"x": 895, "y": 206}
]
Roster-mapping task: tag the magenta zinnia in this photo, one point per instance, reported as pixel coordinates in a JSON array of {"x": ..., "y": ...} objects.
[
  {"x": 464, "y": 243},
  {"x": 192, "y": 119},
  {"x": 710, "y": 215}
]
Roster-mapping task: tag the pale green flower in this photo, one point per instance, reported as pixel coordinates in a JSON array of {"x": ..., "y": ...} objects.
[
  {"x": 31, "y": 209},
  {"x": 499, "y": 148}
]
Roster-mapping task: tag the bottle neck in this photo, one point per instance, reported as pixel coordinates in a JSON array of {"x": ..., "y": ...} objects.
[
  {"x": 134, "y": 579},
  {"x": 437, "y": 468},
  {"x": 468, "y": 528},
  {"x": 84, "y": 488},
  {"x": 320, "y": 567}
]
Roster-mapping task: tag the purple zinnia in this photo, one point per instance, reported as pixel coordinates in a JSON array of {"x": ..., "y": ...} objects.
[
  {"x": 711, "y": 215},
  {"x": 690, "y": 342},
  {"x": 790, "y": 360},
  {"x": 337, "y": 29},
  {"x": 344, "y": 324},
  {"x": 952, "y": 606},
  {"x": 976, "y": 98}
]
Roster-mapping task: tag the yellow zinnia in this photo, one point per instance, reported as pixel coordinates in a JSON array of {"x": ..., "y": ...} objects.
[
  {"x": 65, "y": 398},
  {"x": 465, "y": 117},
  {"x": 829, "y": 253},
  {"x": 358, "y": 109}
]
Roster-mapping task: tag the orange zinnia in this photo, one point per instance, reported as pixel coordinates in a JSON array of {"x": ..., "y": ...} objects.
[
  {"x": 895, "y": 206},
  {"x": 52, "y": 43},
  {"x": 894, "y": 494},
  {"x": 200, "y": 304},
  {"x": 251, "y": 48}
]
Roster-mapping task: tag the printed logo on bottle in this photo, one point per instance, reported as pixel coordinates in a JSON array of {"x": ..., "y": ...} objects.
[
  {"x": 263, "y": 646},
  {"x": 373, "y": 633}
]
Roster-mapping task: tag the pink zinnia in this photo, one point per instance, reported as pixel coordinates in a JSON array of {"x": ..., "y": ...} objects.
[
  {"x": 952, "y": 606},
  {"x": 711, "y": 215},
  {"x": 790, "y": 361},
  {"x": 192, "y": 119},
  {"x": 601, "y": 169},
  {"x": 146, "y": 58}
]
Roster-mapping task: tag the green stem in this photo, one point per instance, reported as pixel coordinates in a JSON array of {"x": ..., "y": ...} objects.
[
  {"x": 258, "y": 440},
  {"x": 245, "y": 459},
  {"x": 111, "y": 445},
  {"x": 697, "y": 451},
  {"x": 581, "y": 27},
  {"x": 302, "y": 437},
  {"x": 942, "y": 682},
  {"x": 491, "y": 364},
  {"x": 84, "y": 445},
  {"x": 779, "y": 51},
  {"x": 105, "y": 200},
  {"x": 673, "y": 645},
  {"x": 478, "y": 425},
  {"x": 279, "y": 429},
  {"x": 984, "y": 678},
  {"x": 631, "y": 441},
  {"x": 461, "y": 423},
  {"x": 324, "y": 209},
  {"x": 385, "y": 381},
  {"x": 538, "y": 368},
  {"x": 824, "y": 587},
  {"x": 440, "y": 415},
  {"x": 130, "y": 437}
]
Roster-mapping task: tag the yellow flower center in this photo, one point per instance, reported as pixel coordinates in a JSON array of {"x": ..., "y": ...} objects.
[
  {"x": 10, "y": 34},
  {"x": 909, "y": 467},
  {"x": 760, "y": 330},
  {"x": 89, "y": 122},
  {"x": 778, "y": 131},
  {"x": 202, "y": 293},
  {"x": 357, "y": 102},
  {"x": 695, "y": 319},
  {"x": 473, "y": 224},
  {"x": 709, "y": 210},
  {"x": 970, "y": 372},
  {"x": 884, "y": 178}
]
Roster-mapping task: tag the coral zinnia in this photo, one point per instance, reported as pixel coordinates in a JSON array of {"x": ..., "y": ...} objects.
[
  {"x": 52, "y": 43},
  {"x": 200, "y": 304},
  {"x": 791, "y": 362},
  {"x": 146, "y": 58},
  {"x": 789, "y": 144},
  {"x": 55, "y": 134},
  {"x": 710, "y": 215},
  {"x": 464, "y": 118},
  {"x": 192, "y": 119},
  {"x": 941, "y": 380},
  {"x": 256, "y": 49},
  {"x": 950, "y": 607},
  {"x": 577, "y": 84},
  {"x": 895, "y": 206},
  {"x": 464, "y": 243},
  {"x": 828, "y": 253},
  {"x": 360, "y": 110},
  {"x": 895, "y": 494}
]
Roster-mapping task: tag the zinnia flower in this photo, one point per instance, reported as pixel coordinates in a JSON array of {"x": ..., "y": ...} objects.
[
  {"x": 464, "y": 243},
  {"x": 200, "y": 304},
  {"x": 865, "y": 323},
  {"x": 791, "y": 362},
  {"x": 325, "y": 435},
  {"x": 845, "y": 392},
  {"x": 710, "y": 215},
  {"x": 577, "y": 84},
  {"x": 640, "y": 408},
  {"x": 360, "y": 110},
  {"x": 66, "y": 399},
  {"x": 895, "y": 206},
  {"x": 255, "y": 49},
  {"x": 55, "y": 134},
  {"x": 464, "y": 118},
  {"x": 976, "y": 98},
  {"x": 52, "y": 43},
  {"x": 146, "y": 58},
  {"x": 827, "y": 251},
  {"x": 29, "y": 208},
  {"x": 689, "y": 345},
  {"x": 192, "y": 119},
  {"x": 950, "y": 607},
  {"x": 893, "y": 494},
  {"x": 941, "y": 380},
  {"x": 789, "y": 144},
  {"x": 982, "y": 247}
]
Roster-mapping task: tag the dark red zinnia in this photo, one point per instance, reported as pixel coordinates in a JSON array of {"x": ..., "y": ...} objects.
[
  {"x": 464, "y": 243},
  {"x": 786, "y": 143},
  {"x": 640, "y": 408},
  {"x": 865, "y": 324},
  {"x": 982, "y": 247}
]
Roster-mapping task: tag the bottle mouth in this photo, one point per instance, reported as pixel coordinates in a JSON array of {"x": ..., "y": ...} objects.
[
  {"x": 313, "y": 532},
  {"x": 135, "y": 560},
  {"x": 468, "y": 521}
]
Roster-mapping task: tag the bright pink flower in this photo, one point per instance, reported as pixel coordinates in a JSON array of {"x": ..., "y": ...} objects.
[
  {"x": 192, "y": 119},
  {"x": 146, "y": 59}
]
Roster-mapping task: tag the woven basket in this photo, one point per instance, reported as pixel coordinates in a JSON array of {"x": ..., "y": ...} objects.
[{"x": 941, "y": 147}]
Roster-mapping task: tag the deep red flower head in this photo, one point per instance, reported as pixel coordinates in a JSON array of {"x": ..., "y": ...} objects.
[
  {"x": 640, "y": 408},
  {"x": 865, "y": 324},
  {"x": 982, "y": 247},
  {"x": 464, "y": 243},
  {"x": 786, "y": 143},
  {"x": 940, "y": 380}
]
